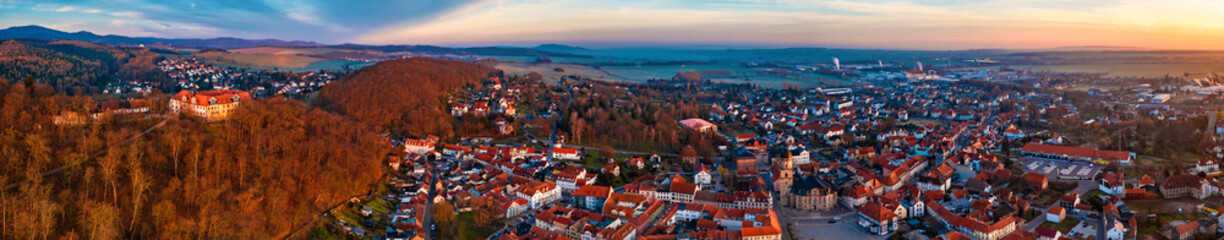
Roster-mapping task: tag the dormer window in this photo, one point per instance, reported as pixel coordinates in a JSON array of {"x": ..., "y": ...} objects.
[
  {"x": 193, "y": 101},
  {"x": 212, "y": 101},
  {"x": 236, "y": 98}
]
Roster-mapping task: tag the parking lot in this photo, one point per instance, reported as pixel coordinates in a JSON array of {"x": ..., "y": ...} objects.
[
  {"x": 845, "y": 229},
  {"x": 1061, "y": 169}
]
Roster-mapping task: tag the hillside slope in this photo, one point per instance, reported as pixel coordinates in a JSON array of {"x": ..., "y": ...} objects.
[
  {"x": 403, "y": 96},
  {"x": 268, "y": 170},
  {"x": 66, "y": 64}
]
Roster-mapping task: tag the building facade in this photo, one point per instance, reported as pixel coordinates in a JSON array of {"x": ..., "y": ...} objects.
[{"x": 213, "y": 105}]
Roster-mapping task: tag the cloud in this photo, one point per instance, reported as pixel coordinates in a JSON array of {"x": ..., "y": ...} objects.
[
  {"x": 921, "y": 24},
  {"x": 128, "y": 14},
  {"x": 944, "y": 24},
  {"x": 317, "y": 20}
]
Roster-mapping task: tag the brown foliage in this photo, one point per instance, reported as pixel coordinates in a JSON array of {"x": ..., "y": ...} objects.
[
  {"x": 67, "y": 65},
  {"x": 268, "y": 170},
  {"x": 402, "y": 96}
]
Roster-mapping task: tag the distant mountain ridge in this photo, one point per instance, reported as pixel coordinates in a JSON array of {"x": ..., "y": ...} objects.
[
  {"x": 39, "y": 32},
  {"x": 43, "y": 33}
]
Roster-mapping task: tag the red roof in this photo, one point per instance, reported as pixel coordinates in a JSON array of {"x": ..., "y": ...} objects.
[
  {"x": 221, "y": 96},
  {"x": 1076, "y": 151},
  {"x": 593, "y": 191},
  {"x": 565, "y": 151},
  {"x": 1057, "y": 210},
  {"x": 1035, "y": 178},
  {"x": 877, "y": 212},
  {"x": 1146, "y": 180},
  {"x": 1186, "y": 228},
  {"x": 696, "y": 123}
]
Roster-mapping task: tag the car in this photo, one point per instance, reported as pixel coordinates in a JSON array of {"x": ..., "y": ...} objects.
[{"x": 834, "y": 220}]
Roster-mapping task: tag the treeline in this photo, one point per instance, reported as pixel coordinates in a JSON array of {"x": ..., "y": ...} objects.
[
  {"x": 269, "y": 170},
  {"x": 635, "y": 117},
  {"x": 403, "y": 96},
  {"x": 77, "y": 66}
]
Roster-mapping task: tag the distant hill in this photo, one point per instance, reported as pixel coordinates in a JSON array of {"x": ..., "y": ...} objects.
[
  {"x": 436, "y": 50},
  {"x": 39, "y": 32},
  {"x": 66, "y": 64},
  {"x": 402, "y": 96},
  {"x": 562, "y": 48}
]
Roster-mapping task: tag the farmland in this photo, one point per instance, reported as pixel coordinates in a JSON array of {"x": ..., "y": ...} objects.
[{"x": 288, "y": 62}]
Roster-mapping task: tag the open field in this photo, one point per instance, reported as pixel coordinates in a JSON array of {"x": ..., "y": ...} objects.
[
  {"x": 1134, "y": 70},
  {"x": 286, "y": 62},
  {"x": 548, "y": 70}
]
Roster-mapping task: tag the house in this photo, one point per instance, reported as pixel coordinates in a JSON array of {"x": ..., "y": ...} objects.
[
  {"x": 539, "y": 194},
  {"x": 636, "y": 162},
  {"x": 565, "y": 153},
  {"x": 1056, "y": 214},
  {"x": 979, "y": 187},
  {"x": 1012, "y": 133},
  {"x": 703, "y": 176},
  {"x": 1184, "y": 185},
  {"x": 213, "y": 105},
  {"x": 1146, "y": 181},
  {"x": 516, "y": 207},
  {"x": 1112, "y": 184},
  {"x": 418, "y": 147},
  {"x": 611, "y": 168},
  {"x": 591, "y": 197},
  {"x": 877, "y": 219},
  {"x": 367, "y": 210},
  {"x": 746, "y": 163},
  {"x": 1208, "y": 166},
  {"x": 1115, "y": 229},
  {"x": 1184, "y": 231},
  {"x": 1045, "y": 233},
  {"x": 974, "y": 227},
  {"x": 1038, "y": 182},
  {"x": 1069, "y": 200}
]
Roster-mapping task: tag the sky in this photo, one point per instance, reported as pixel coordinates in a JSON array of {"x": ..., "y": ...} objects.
[{"x": 885, "y": 24}]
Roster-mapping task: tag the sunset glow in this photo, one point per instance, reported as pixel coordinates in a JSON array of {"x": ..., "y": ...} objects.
[{"x": 904, "y": 24}]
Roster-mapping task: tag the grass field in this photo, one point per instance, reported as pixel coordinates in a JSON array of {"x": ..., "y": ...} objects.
[
  {"x": 548, "y": 70},
  {"x": 287, "y": 62},
  {"x": 1063, "y": 226},
  {"x": 1132, "y": 69},
  {"x": 644, "y": 73}
]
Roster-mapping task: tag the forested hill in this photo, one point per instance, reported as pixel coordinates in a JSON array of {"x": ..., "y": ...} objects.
[
  {"x": 67, "y": 65},
  {"x": 270, "y": 169},
  {"x": 403, "y": 96}
]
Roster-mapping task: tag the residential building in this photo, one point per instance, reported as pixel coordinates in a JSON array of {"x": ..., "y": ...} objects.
[
  {"x": 877, "y": 219},
  {"x": 213, "y": 105},
  {"x": 591, "y": 197}
]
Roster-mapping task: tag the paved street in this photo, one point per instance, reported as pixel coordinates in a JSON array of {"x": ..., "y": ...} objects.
[{"x": 846, "y": 229}]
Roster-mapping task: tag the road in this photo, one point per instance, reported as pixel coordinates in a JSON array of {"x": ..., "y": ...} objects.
[{"x": 428, "y": 228}]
